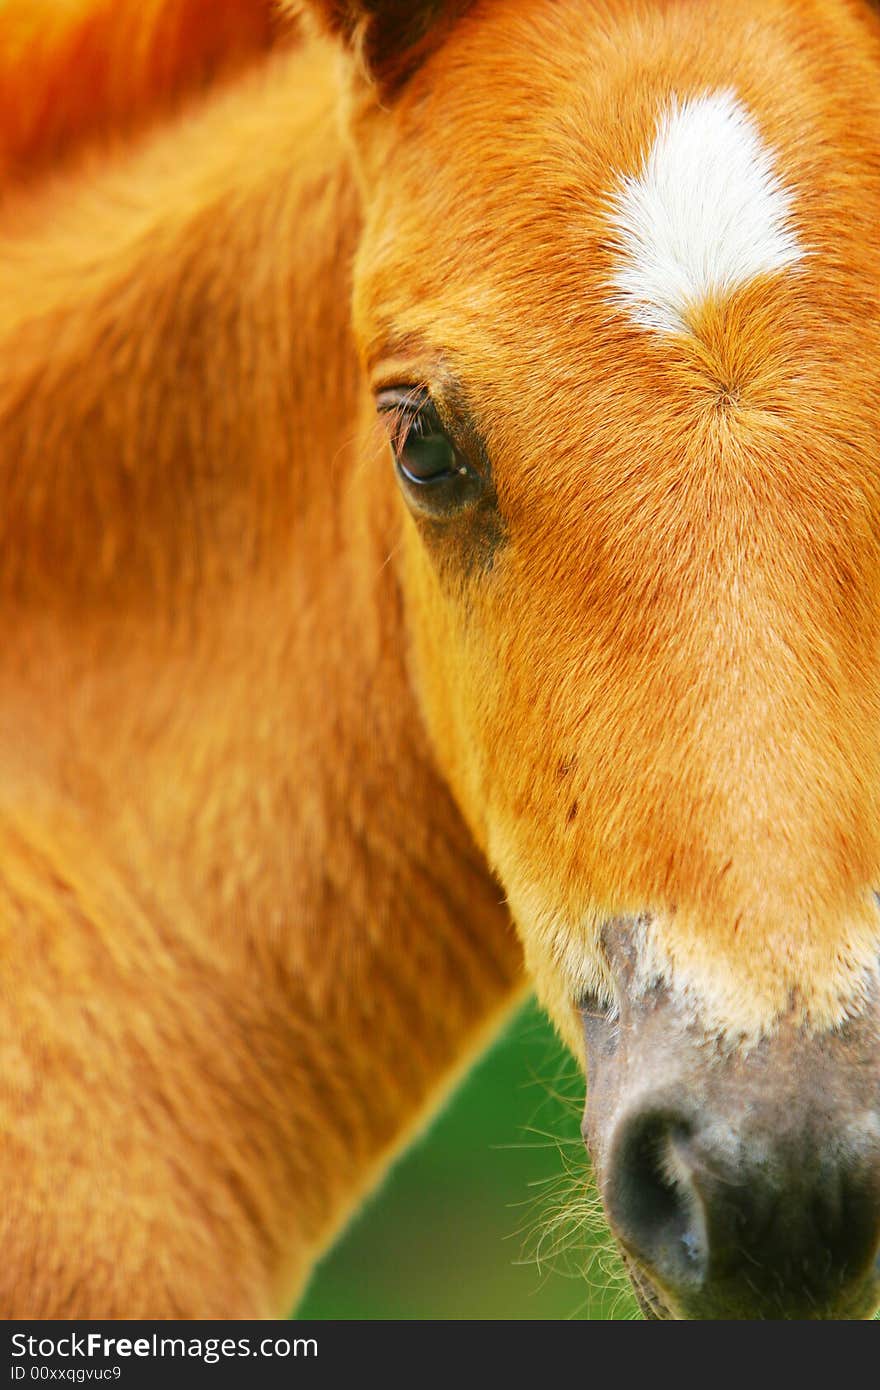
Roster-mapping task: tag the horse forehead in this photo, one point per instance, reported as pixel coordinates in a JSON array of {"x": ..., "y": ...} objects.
[
  {"x": 705, "y": 214},
  {"x": 680, "y": 137},
  {"x": 652, "y": 234}
]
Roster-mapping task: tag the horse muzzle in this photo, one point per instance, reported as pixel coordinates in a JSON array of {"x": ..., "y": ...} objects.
[{"x": 739, "y": 1183}]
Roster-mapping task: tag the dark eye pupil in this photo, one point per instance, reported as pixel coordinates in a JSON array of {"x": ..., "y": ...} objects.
[{"x": 425, "y": 457}]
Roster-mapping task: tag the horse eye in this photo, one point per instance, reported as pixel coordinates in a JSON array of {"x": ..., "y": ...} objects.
[
  {"x": 427, "y": 459},
  {"x": 424, "y": 451}
]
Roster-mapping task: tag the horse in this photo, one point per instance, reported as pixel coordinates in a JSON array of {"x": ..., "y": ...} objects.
[{"x": 441, "y": 548}]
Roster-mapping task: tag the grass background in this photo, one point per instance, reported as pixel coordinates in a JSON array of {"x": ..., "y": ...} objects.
[{"x": 493, "y": 1213}]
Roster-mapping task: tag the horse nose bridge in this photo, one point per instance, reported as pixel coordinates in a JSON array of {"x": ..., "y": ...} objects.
[{"x": 740, "y": 783}]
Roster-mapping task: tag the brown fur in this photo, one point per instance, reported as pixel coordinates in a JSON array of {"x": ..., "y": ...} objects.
[
  {"x": 246, "y": 935},
  {"x": 76, "y": 71}
]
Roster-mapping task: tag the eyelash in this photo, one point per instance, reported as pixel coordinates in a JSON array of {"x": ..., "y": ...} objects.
[{"x": 403, "y": 413}]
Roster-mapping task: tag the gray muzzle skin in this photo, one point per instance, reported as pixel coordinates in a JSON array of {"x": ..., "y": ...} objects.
[{"x": 738, "y": 1184}]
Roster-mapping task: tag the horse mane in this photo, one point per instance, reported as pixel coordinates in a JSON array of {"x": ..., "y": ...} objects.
[{"x": 76, "y": 71}]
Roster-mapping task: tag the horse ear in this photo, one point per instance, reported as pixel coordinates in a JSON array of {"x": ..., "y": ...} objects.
[{"x": 388, "y": 37}]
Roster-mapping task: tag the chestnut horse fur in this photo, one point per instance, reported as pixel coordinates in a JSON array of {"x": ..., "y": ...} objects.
[{"x": 305, "y": 777}]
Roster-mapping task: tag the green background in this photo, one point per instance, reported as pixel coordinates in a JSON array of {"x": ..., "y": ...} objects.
[{"x": 493, "y": 1213}]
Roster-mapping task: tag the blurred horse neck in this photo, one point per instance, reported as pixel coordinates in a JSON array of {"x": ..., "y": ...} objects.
[{"x": 216, "y": 783}]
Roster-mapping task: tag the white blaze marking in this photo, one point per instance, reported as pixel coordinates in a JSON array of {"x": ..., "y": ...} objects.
[{"x": 706, "y": 214}]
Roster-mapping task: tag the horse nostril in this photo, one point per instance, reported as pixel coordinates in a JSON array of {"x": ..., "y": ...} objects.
[
  {"x": 730, "y": 1228},
  {"x": 652, "y": 1200}
]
